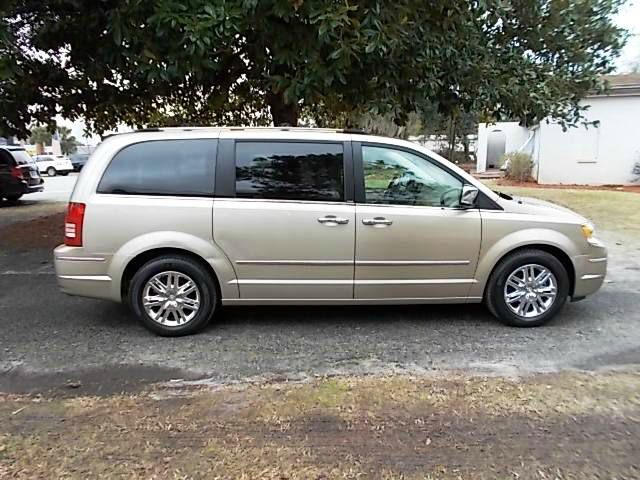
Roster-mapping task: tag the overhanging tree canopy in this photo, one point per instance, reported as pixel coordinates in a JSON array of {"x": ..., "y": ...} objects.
[{"x": 142, "y": 62}]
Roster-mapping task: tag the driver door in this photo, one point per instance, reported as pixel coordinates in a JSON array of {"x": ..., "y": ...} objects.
[{"x": 413, "y": 241}]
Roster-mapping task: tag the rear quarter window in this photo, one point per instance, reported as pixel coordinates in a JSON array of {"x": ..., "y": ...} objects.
[
  {"x": 21, "y": 157},
  {"x": 162, "y": 167}
]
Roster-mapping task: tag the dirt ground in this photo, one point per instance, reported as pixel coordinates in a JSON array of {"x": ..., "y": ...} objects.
[
  {"x": 42, "y": 232},
  {"x": 560, "y": 426}
]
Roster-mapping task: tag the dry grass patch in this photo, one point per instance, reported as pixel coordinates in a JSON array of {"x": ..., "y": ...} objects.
[{"x": 548, "y": 426}]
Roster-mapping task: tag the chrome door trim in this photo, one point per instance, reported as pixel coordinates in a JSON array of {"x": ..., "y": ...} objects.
[
  {"x": 289, "y": 282},
  {"x": 410, "y": 262},
  {"x": 363, "y": 263},
  {"x": 294, "y": 262},
  {"x": 421, "y": 281}
]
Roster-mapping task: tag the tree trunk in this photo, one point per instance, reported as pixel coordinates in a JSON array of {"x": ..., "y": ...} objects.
[
  {"x": 283, "y": 114},
  {"x": 452, "y": 138},
  {"x": 39, "y": 148}
]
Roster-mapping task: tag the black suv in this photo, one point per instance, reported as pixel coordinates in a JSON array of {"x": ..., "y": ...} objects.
[{"x": 18, "y": 173}]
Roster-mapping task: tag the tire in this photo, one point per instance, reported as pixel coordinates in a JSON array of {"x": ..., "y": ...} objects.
[
  {"x": 64, "y": 174},
  {"x": 13, "y": 198},
  {"x": 535, "y": 312},
  {"x": 51, "y": 172},
  {"x": 183, "y": 268}
]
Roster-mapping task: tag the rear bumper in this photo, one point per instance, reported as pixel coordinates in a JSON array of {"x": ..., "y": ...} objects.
[
  {"x": 34, "y": 188},
  {"x": 591, "y": 271},
  {"x": 82, "y": 275}
]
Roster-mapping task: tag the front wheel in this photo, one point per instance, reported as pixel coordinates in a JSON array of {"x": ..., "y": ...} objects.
[
  {"x": 51, "y": 172},
  {"x": 173, "y": 296},
  {"x": 527, "y": 288}
]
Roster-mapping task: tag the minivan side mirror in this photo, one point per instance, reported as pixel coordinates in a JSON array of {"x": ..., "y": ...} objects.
[{"x": 468, "y": 196}]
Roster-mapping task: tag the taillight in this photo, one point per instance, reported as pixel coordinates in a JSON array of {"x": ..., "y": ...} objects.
[
  {"x": 73, "y": 224},
  {"x": 17, "y": 173}
]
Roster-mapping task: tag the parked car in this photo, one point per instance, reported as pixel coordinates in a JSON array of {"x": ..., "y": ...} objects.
[
  {"x": 177, "y": 222},
  {"x": 18, "y": 173},
  {"x": 78, "y": 160},
  {"x": 53, "y": 165}
]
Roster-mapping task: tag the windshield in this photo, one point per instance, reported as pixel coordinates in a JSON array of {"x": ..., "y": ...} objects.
[{"x": 21, "y": 157}]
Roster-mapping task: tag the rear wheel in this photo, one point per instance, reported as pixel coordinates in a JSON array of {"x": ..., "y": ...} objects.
[
  {"x": 13, "y": 198},
  {"x": 173, "y": 296},
  {"x": 51, "y": 172},
  {"x": 64, "y": 174},
  {"x": 527, "y": 288}
]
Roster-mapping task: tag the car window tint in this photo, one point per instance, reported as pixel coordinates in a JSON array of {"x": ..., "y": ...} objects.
[
  {"x": 398, "y": 177},
  {"x": 162, "y": 167},
  {"x": 290, "y": 171},
  {"x": 21, "y": 157},
  {"x": 5, "y": 160}
]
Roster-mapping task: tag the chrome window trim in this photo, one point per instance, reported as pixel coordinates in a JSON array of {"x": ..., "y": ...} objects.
[{"x": 275, "y": 200}]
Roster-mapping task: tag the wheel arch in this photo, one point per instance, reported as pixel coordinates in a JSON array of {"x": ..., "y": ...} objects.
[
  {"x": 142, "y": 258},
  {"x": 554, "y": 250}
]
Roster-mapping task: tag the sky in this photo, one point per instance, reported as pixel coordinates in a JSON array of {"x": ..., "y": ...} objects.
[{"x": 628, "y": 18}]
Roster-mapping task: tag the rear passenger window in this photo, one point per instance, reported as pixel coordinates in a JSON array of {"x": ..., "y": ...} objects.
[
  {"x": 290, "y": 171},
  {"x": 162, "y": 167},
  {"x": 5, "y": 160}
]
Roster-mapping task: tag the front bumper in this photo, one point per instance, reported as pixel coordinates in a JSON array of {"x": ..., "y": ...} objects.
[{"x": 590, "y": 270}]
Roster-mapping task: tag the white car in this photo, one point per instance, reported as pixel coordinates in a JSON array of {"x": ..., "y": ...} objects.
[{"x": 53, "y": 165}]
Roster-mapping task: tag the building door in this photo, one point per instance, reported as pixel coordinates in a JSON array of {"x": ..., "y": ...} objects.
[{"x": 495, "y": 148}]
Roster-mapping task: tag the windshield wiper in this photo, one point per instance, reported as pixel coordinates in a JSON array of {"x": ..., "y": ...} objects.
[{"x": 503, "y": 195}]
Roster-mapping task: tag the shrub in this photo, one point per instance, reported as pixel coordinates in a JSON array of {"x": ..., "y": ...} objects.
[{"x": 519, "y": 166}]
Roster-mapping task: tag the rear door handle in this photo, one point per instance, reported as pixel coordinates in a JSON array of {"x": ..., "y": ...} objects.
[
  {"x": 332, "y": 220},
  {"x": 376, "y": 221}
]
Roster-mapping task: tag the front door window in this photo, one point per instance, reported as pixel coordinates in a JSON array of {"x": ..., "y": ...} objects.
[{"x": 397, "y": 177}]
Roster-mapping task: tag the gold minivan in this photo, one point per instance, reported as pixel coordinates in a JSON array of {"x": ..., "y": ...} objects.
[{"x": 178, "y": 222}]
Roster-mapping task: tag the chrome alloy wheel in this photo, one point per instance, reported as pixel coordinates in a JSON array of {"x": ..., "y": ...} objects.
[
  {"x": 530, "y": 290},
  {"x": 171, "y": 298}
]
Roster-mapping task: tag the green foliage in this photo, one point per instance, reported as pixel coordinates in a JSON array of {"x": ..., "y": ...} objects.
[
  {"x": 68, "y": 143},
  {"x": 40, "y": 135},
  {"x": 519, "y": 166},
  {"x": 248, "y": 61}
]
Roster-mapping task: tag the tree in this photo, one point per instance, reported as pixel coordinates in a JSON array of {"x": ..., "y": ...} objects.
[
  {"x": 40, "y": 136},
  {"x": 68, "y": 143},
  {"x": 248, "y": 61}
]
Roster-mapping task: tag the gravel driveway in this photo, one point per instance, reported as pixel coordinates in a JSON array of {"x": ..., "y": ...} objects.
[{"x": 49, "y": 340}]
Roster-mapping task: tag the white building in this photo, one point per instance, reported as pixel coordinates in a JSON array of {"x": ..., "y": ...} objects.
[{"x": 606, "y": 154}]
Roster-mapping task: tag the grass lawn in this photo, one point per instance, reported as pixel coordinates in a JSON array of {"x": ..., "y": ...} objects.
[
  {"x": 561, "y": 426},
  {"x": 609, "y": 210}
]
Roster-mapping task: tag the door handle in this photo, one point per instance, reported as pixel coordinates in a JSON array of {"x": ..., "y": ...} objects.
[
  {"x": 332, "y": 220},
  {"x": 376, "y": 221}
]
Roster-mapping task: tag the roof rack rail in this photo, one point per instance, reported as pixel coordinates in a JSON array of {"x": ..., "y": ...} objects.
[{"x": 358, "y": 131}]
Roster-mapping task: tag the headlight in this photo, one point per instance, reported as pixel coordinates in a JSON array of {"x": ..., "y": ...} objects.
[{"x": 587, "y": 230}]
